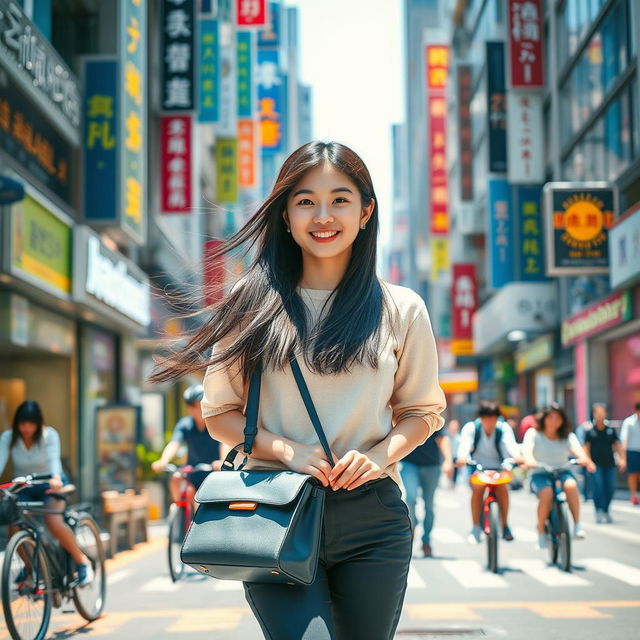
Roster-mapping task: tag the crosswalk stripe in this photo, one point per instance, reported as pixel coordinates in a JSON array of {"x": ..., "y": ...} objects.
[
  {"x": 116, "y": 576},
  {"x": 549, "y": 576},
  {"x": 524, "y": 534},
  {"x": 613, "y": 532},
  {"x": 614, "y": 569},
  {"x": 445, "y": 502},
  {"x": 446, "y": 536},
  {"x": 471, "y": 575},
  {"x": 414, "y": 579},
  {"x": 161, "y": 583}
]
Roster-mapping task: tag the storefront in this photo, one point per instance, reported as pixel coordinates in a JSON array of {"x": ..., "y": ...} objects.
[{"x": 535, "y": 372}]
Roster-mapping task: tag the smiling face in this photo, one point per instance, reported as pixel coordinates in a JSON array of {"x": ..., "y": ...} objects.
[
  {"x": 552, "y": 423},
  {"x": 324, "y": 212}
]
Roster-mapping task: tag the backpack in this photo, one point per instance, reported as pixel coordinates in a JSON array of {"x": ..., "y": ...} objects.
[{"x": 478, "y": 433}]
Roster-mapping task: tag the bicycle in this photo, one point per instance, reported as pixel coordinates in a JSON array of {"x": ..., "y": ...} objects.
[
  {"x": 490, "y": 515},
  {"x": 37, "y": 573},
  {"x": 180, "y": 518},
  {"x": 557, "y": 525}
]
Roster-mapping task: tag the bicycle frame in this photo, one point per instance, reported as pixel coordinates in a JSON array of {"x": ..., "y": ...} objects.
[
  {"x": 184, "y": 502},
  {"x": 489, "y": 479}
]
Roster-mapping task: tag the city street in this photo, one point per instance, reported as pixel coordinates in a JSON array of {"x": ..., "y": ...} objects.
[{"x": 601, "y": 598}]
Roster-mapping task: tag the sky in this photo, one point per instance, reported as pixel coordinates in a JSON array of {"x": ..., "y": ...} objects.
[{"x": 351, "y": 55}]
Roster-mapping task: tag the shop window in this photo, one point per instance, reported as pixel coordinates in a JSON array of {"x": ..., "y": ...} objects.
[{"x": 624, "y": 374}]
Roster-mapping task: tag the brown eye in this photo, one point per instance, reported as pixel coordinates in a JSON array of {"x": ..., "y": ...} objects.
[
  {"x": 341, "y": 200},
  {"x": 304, "y": 202}
]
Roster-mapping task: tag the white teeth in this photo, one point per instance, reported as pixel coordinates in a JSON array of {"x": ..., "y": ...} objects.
[{"x": 324, "y": 234}]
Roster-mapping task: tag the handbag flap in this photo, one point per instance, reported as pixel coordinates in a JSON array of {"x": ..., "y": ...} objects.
[{"x": 264, "y": 487}]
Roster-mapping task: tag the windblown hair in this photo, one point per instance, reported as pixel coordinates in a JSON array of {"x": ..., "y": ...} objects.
[
  {"x": 265, "y": 308},
  {"x": 28, "y": 411},
  {"x": 565, "y": 428}
]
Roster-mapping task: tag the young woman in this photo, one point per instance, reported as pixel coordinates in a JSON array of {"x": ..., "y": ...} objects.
[
  {"x": 367, "y": 352},
  {"x": 35, "y": 448},
  {"x": 552, "y": 442}
]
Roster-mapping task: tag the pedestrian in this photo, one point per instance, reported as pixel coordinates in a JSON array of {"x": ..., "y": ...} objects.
[
  {"x": 581, "y": 433},
  {"x": 525, "y": 424},
  {"x": 367, "y": 352},
  {"x": 600, "y": 443},
  {"x": 630, "y": 437},
  {"x": 420, "y": 471}
]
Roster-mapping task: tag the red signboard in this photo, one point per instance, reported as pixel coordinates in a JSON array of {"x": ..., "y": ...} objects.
[
  {"x": 464, "y": 302},
  {"x": 213, "y": 270},
  {"x": 438, "y": 176},
  {"x": 175, "y": 164},
  {"x": 246, "y": 153},
  {"x": 251, "y": 13},
  {"x": 525, "y": 44}
]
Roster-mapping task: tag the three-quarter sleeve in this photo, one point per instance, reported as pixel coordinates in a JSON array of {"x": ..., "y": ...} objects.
[
  {"x": 52, "y": 443},
  {"x": 223, "y": 386},
  {"x": 416, "y": 390}
]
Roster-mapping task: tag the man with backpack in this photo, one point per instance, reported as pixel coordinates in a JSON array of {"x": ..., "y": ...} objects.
[{"x": 488, "y": 440}]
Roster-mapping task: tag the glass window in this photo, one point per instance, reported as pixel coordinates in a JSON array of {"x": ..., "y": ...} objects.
[{"x": 618, "y": 127}]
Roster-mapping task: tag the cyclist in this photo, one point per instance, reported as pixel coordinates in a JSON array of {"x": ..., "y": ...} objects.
[
  {"x": 552, "y": 442},
  {"x": 202, "y": 448},
  {"x": 35, "y": 448},
  {"x": 488, "y": 440}
]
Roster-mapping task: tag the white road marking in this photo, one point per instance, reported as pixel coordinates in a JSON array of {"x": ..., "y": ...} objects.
[
  {"x": 161, "y": 583},
  {"x": 613, "y": 532},
  {"x": 414, "y": 579},
  {"x": 227, "y": 585},
  {"x": 549, "y": 576},
  {"x": 471, "y": 575},
  {"x": 446, "y": 502},
  {"x": 614, "y": 569},
  {"x": 446, "y": 536},
  {"x": 116, "y": 576},
  {"x": 524, "y": 534}
]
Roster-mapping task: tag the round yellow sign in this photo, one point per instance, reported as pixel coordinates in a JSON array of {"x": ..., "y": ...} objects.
[{"x": 583, "y": 220}]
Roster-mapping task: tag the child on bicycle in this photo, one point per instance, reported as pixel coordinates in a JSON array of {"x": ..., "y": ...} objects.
[
  {"x": 35, "y": 448},
  {"x": 552, "y": 442}
]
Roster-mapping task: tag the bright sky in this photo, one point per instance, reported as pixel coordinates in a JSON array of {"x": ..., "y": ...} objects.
[{"x": 351, "y": 55}]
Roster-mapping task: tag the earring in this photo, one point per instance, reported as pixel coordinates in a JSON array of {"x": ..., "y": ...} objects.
[
  {"x": 288, "y": 230},
  {"x": 363, "y": 225}
]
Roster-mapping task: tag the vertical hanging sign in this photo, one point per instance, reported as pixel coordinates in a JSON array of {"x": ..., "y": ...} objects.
[
  {"x": 251, "y": 13},
  {"x": 464, "y": 302},
  {"x": 500, "y": 235},
  {"x": 465, "y": 137},
  {"x": 177, "y": 51},
  {"x": 496, "y": 107},
  {"x": 246, "y": 153},
  {"x": 526, "y": 138},
  {"x": 227, "y": 170},
  {"x": 526, "y": 63},
  {"x": 528, "y": 210},
  {"x": 271, "y": 99},
  {"x": 245, "y": 75},
  {"x": 175, "y": 164},
  {"x": 209, "y": 71},
  {"x": 133, "y": 110},
  {"x": 437, "y": 66}
]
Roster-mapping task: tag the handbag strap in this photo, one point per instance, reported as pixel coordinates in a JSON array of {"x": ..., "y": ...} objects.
[{"x": 253, "y": 404}]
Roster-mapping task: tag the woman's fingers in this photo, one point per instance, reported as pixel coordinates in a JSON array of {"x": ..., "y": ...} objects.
[
  {"x": 319, "y": 475},
  {"x": 341, "y": 465},
  {"x": 367, "y": 476},
  {"x": 357, "y": 466}
]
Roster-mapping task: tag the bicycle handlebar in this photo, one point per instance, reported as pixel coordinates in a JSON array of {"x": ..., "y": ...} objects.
[
  {"x": 507, "y": 465},
  {"x": 185, "y": 469},
  {"x": 564, "y": 467}
]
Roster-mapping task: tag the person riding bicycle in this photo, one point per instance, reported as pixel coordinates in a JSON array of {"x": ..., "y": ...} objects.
[
  {"x": 552, "y": 442},
  {"x": 35, "y": 448},
  {"x": 202, "y": 448},
  {"x": 488, "y": 440}
]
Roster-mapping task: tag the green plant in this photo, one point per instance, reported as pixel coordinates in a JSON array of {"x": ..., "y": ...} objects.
[{"x": 145, "y": 458}]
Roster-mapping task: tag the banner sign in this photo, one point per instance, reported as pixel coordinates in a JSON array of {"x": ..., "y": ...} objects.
[
  {"x": 464, "y": 302},
  {"x": 251, "y": 13},
  {"x": 525, "y": 133},
  {"x": 28, "y": 137},
  {"x": 100, "y": 162},
  {"x": 439, "y": 258},
  {"x": 525, "y": 44},
  {"x": 228, "y": 123},
  {"x": 133, "y": 117},
  {"x": 528, "y": 211},
  {"x": 40, "y": 71},
  {"x": 213, "y": 269},
  {"x": 244, "y": 60},
  {"x": 500, "y": 236},
  {"x": 578, "y": 217},
  {"x": 227, "y": 170},
  {"x": 601, "y": 316},
  {"x": 247, "y": 153},
  {"x": 496, "y": 107},
  {"x": 271, "y": 99},
  {"x": 437, "y": 67},
  {"x": 465, "y": 137},
  {"x": 175, "y": 164},
  {"x": 624, "y": 248},
  {"x": 209, "y": 71},
  {"x": 177, "y": 51},
  {"x": 270, "y": 35}
]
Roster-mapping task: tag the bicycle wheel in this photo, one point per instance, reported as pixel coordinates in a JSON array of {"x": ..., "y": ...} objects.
[
  {"x": 89, "y": 600},
  {"x": 26, "y": 588},
  {"x": 492, "y": 538},
  {"x": 177, "y": 524},
  {"x": 552, "y": 533},
  {"x": 564, "y": 541}
]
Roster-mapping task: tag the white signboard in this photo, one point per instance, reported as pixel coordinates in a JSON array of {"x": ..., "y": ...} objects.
[
  {"x": 525, "y": 137},
  {"x": 624, "y": 250}
]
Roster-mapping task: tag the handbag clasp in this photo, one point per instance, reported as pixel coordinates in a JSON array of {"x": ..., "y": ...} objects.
[{"x": 243, "y": 506}]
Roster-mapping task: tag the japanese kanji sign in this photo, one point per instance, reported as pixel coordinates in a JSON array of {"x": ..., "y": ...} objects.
[
  {"x": 175, "y": 164},
  {"x": 251, "y": 13},
  {"x": 100, "y": 160},
  {"x": 528, "y": 209},
  {"x": 496, "y": 107},
  {"x": 209, "y": 71},
  {"x": 465, "y": 132},
  {"x": 525, "y": 44},
  {"x": 247, "y": 153},
  {"x": 227, "y": 170},
  {"x": 500, "y": 236},
  {"x": 525, "y": 135},
  {"x": 244, "y": 69},
  {"x": 437, "y": 67},
  {"x": 271, "y": 101},
  {"x": 178, "y": 27},
  {"x": 132, "y": 117},
  {"x": 464, "y": 302},
  {"x": 578, "y": 217}
]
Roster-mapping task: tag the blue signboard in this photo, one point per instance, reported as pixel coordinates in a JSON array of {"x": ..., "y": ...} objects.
[
  {"x": 244, "y": 69},
  {"x": 496, "y": 107},
  {"x": 271, "y": 97},
  {"x": 100, "y": 193},
  {"x": 528, "y": 212},
  {"x": 500, "y": 236},
  {"x": 209, "y": 81},
  {"x": 270, "y": 35}
]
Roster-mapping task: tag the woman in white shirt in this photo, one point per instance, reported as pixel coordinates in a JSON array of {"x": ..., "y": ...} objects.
[
  {"x": 35, "y": 448},
  {"x": 552, "y": 442}
]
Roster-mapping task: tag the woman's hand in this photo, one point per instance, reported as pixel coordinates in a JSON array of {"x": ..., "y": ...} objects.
[
  {"x": 354, "y": 469},
  {"x": 588, "y": 464},
  {"x": 55, "y": 484},
  {"x": 305, "y": 458}
]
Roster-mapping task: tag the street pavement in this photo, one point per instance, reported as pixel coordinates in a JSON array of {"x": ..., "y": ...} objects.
[{"x": 450, "y": 595}]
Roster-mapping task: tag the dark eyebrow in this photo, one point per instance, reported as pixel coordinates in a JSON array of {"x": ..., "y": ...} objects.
[{"x": 338, "y": 190}]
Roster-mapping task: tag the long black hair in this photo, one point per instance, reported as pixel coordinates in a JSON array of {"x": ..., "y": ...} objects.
[
  {"x": 28, "y": 411},
  {"x": 265, "y": 306}
]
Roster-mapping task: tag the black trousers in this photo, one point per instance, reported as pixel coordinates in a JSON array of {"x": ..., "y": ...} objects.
[{"x": 362, "y": 576}]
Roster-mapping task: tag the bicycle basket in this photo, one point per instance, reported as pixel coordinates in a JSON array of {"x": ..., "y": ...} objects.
[{"x": 9, "y": 511}]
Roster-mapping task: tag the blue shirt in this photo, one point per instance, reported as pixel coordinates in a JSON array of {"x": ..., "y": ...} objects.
[{"x": 202, "y": 448}]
